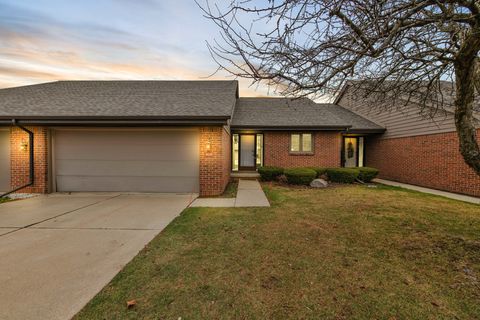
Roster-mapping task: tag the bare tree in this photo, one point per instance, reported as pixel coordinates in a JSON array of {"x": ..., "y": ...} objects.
[{"x": 395, "y": 50}]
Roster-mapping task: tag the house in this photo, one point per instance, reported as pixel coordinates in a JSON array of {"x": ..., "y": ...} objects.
[
  {"x": 192, "y": 136},
  {"x": 419, "y": 147},
  {"x": 163, "y": 136}
]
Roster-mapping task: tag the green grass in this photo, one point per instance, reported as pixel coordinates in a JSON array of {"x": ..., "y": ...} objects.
[
  {"x": 230, "y": 190},
  {"x": 2, "y": 200},
  {"x": 349, "y": 252}
]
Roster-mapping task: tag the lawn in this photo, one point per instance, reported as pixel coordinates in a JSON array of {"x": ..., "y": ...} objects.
[
  {"x": 2, "y": 200},
  {"x": 230, "y": 190},
  {"x": 349, "y": 252}
]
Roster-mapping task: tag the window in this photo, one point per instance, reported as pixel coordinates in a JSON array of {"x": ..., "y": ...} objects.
[
  {"x": 259, "y": 150},
  {"x": 301, "y": 142},
  {"x": 361, "y": 146},
  {"x": 235, "y": 152},
  {"x": 307, "y": 142},
  {"x": 295, "y": 143}
]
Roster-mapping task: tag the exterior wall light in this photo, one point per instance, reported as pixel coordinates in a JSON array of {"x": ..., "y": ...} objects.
[
  {"x": 24, "y": 145},
  {"x": 208, "y": 146}
]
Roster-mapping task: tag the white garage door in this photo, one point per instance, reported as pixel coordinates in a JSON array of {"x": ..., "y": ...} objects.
[
  {"x": 126, "y": 160},
  {"x": 4, "y": 160}
]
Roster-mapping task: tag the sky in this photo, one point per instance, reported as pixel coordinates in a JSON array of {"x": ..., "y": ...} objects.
[{"x": 49, "y": 40}]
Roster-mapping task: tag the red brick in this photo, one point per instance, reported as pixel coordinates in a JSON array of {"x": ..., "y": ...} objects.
[
  {"x": 19, "y": 160},
  {"x": 214, "y": 163},
  {"x": 432, "y": 161},
  {"x": 327, "y": 150}
]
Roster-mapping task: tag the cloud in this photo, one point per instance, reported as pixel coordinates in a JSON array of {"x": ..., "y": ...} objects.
[
  {"x": 16, "y": 72},
  {"x": 113, "y": 39}
]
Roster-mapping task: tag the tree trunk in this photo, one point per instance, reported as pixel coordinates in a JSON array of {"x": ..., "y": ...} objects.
[{"x": 465, "y": 78}]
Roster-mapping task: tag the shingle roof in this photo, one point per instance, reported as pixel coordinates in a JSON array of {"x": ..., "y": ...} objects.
[
  {"x": 289, "y": 113},
  {"x": 170, "y": 100},
  {"x": 120, "y": 99},
  {"x": 446, "y": 99}
]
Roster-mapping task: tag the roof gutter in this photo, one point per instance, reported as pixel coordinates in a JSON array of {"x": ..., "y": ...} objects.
[
  {"x": 292, "y": 128},
  {"x": 357, "y": 131},
  {"x": 118, "y": 122},
  {"x": 31, "y": 175}
]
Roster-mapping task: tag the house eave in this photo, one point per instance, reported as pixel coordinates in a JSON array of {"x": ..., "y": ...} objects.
[
  {"x": 340, "y": 94},
  {"x": 360, "y": 131},
  {"x": 290, "y": 128},
  {"x": 116, "y": 121}
]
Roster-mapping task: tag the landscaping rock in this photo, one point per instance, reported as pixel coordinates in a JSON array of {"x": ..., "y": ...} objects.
[{"x": 319, "y": 183}]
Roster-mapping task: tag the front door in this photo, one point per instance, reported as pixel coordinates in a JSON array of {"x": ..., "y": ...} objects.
[
  {"x": 350, "y": 152},
  {"x": 247, "y": 152}
]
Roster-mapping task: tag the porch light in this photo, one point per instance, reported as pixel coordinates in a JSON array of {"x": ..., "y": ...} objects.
[
  {"x": 24, "y": 145},
  {"x": 208, "y": 146}
]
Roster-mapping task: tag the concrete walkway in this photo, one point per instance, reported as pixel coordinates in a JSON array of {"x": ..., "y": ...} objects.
[
  {"x": 446, "y": 194},
  {"x": 249, "y": 194},
  {"x": 57, "y": 251}
]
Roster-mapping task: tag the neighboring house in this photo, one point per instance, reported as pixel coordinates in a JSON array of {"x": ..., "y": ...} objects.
[
  {"x": 416, "y": 149},
  {"x": 165, "y": 136},
  {"x": 190, "y": 136}
]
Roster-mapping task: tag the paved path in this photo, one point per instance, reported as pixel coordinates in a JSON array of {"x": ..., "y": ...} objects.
[
  {"x": 57, "y": 251},
  {"x": 249, "y": 194},
  {"x": 446, "y": 194}
]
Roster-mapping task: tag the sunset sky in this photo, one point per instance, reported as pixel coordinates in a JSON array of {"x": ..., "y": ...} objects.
[{"x": 48, "y": 40}]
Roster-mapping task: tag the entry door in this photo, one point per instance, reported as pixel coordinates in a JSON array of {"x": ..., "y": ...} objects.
[
  {"x": 351, "y": 153},
  {"x": 247, "y": 152}
]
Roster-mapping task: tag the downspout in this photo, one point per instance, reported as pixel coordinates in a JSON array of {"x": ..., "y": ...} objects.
[{"x": 31, "y": 176}]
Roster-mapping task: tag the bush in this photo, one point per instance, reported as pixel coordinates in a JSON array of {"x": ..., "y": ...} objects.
[
  {"x": 269, "y": 173},
  {"x": 319, "y": 171},
  {"x": 343, "y": 175},
  {"x": 300, "y": 175},
  {"x": 367, "y": 174}
]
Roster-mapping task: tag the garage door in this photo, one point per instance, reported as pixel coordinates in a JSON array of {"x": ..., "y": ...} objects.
[
  {"x": 127, "y": 160},
  {"x": 4, "y": 160}
]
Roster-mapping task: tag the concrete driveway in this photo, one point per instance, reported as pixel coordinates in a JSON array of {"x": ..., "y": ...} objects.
[{"x": 58, "y": 251}]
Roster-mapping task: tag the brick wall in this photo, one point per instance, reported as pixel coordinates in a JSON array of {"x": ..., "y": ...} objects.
[
  {"x": 432, "y": 161},
  {"x": 19, "y": 159},
  {"x": 214, "y": 162},
  {"x": 327, "y": 150}
]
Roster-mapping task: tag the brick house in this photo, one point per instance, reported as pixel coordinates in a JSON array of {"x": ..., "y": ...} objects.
[
  {"x": 184, "y": 136},
  {"x": 419, "y": 149}
]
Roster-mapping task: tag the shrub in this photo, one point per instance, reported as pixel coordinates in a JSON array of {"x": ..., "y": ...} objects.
[
  {"x": 269, "y": 173},
  {"x": 320, "y": 171},
  {"x": 343, "y": 175},
  {"x": 367, "y": 174},
  {"x": 300, "y": 175}
]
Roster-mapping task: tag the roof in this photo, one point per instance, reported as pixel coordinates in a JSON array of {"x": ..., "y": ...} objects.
[
  {"x": 281, "y": 113},
  {"x": 120, "y": 99},
  {"x": 168, "y": 102},
  {"x": 447, "y": 92}
]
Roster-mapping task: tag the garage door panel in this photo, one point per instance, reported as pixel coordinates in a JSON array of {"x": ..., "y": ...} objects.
[
  {"x": 135, "y": 168},
  {"x": 147, "y": 138},
  {"x": 128, "y": 160},
  {"x": 128, "y": 184},
  {"x": 72, "y": 151},
  {"x": 4, "y": 160}
]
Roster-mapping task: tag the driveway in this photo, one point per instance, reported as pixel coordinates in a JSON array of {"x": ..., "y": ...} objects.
[{"x": 57, "y": 251}]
